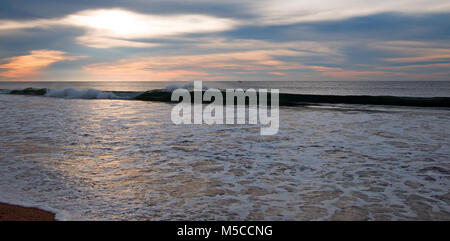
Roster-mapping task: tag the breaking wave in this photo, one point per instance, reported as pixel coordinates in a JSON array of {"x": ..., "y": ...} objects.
[
  {"x": 71, "y": 93},
  {"x": 190, "y": 86},
  {"x": 285, "y": 99}
]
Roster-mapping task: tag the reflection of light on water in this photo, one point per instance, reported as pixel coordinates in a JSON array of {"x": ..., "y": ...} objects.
[{"x": 114, "y": 159}]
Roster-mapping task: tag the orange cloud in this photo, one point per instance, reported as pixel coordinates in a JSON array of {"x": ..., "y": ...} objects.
[
  {"x": 413, "y": 51},
  {"x": 139, "y": 69},
  {"x": 277, "y": 73},
  {"x": 425, "y": 58},
  {"x": 197, "y": 66},
  {"x": 29, "y": 65}
]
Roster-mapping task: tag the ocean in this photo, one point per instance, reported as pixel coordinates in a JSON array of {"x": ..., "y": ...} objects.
[
  {"x": 103, "y": 158},
  {"x": 374, "y": 88}
]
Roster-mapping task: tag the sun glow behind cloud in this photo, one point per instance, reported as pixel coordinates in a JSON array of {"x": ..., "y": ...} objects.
[
  {"x": 251, "y": 40},
  {"x": 107, "y": 28}
]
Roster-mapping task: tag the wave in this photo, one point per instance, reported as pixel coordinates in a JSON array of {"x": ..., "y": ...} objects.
[
  {"x": 3, "y": 91},
  {"x": 190, "y": 86},
  {"x": 68, "y": 93},
  {"x": 71, "y": 93},
  {"x": 285, "y": 99}
]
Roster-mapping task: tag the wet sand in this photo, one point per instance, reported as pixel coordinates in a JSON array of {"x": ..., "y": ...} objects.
[{"x": 10, "y": 212}]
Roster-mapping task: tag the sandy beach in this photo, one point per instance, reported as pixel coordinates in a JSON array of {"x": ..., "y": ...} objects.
[{"x": 10, "y": 212}]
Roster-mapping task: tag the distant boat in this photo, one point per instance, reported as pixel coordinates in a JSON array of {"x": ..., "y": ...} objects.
[{"x": 239, "y": 81}]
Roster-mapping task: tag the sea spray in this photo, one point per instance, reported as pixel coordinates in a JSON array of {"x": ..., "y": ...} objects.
[
  {"x": 285, "y": 99},
  {"x": 236, "y": 100},
  {"x": 71, "y": 93}
]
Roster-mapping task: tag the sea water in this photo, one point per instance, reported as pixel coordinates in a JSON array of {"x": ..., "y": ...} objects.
[{"x": 115, "y": 159}]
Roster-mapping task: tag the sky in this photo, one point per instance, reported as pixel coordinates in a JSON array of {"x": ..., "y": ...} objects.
[{"x": 174, "y": 40}]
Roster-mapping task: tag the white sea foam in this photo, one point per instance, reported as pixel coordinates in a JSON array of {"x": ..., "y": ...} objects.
[
  {"x": 116, "y": 160},
  {"x": 171, "y": 87},
  {"x": 189, "y": 86},
  {"x": 70, "y": 93},
  {"x": 60, "y": 215}
]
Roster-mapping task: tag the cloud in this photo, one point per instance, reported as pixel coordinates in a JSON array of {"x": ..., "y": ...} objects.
[
  {"x": 415, "y": 51},
  {"x": 306, "y": 48},
  {"x": 99, "y": 41},
  {"x": 28, "y": 66},
  {"x": 277, "y": 73},
  {"x": 251, "y": 40},
  {"x": 274, "y": 12},
  {"x": 395, "y": 60},
  {"x": 116, "y": 27},
  {"x": 106, "y": 28},
  {"x": 418, "y": 66},
  {"x": 204, "y": 66}
]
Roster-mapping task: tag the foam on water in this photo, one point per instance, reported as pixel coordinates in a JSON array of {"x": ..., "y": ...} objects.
[
  {"x": 61, "y": 215},
  {"x": 71, "y": 93},
  {"x": 190, "y": 86},
  {"x": 285, "y": 99},
  {"x": 373, "y": 88},
  {"x": 116, "y": 160}
]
